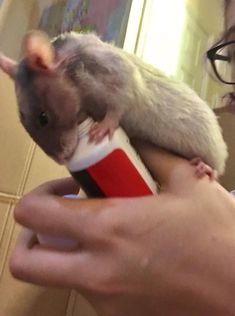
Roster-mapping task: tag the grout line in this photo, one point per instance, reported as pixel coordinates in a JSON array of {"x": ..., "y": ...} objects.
[
  {"x": 26, "y": 168},
  {"x": 71, "y": 303},
  {"x": 9, "y": 223},
  {"x": 5, "y": 222},
  {"x": 10, "y": 229},
  {"x": 7, "y": 197}
]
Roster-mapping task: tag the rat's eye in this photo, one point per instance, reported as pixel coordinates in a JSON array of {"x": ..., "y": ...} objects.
[{"x": 43, "y": 119}]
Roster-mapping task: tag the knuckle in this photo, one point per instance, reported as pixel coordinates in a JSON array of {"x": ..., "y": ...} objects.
[
  {"x": 103, "y": 282},
  {"x": 114, "y": 229},
  {"x": 26, "y": 207},
  {"x": 23, "y": 208},
  {"x": 16, "y": 266},
  {"x": 20, "y": 208},
  {"x": 102, "y": 221},
  {"x": 111, "y": 221}
]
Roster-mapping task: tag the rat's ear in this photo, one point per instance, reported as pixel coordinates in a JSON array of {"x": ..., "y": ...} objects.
[
  {"x": 8, "y": 65},
  {"x": 38, "y": 51}
]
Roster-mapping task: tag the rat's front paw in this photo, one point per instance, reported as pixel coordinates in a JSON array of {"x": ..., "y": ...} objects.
[
  {"x": 202, "y": 169},
  {"x": 100, "y": 129}
]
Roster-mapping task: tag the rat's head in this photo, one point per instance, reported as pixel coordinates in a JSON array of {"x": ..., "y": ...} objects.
[{"x": 48, "y": 100}]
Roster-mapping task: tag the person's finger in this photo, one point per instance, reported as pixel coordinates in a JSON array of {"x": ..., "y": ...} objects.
[
  {"x": 33, "y": 263},
  {"x": 174, "y": 173},
  {"x": 45, "y": 212},
  {"x": 59, "y": 187}
]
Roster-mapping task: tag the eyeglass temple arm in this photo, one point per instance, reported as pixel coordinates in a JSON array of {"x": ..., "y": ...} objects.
[{"x": 221, "y": 57}]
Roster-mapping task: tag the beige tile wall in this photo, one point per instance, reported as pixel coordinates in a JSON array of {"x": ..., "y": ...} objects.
[{"x": 22, "y": 167}]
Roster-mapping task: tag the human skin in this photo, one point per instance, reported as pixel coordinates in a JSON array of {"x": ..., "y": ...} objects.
[
  {"x": 229, "y": 33},
  {"x": 171, "y": 254},
  {"x": 229, "y": 15}
]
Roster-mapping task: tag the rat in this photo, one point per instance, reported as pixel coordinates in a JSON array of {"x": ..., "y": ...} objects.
[{"x": 61, "y": 82}]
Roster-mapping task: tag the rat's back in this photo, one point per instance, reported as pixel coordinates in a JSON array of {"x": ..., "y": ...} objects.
[
  {"x": 174, "y": 117},
  {"x": 158, "y": 109}
]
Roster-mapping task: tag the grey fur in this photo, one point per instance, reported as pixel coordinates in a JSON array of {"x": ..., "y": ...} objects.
[{"x": 95, "y": 78}]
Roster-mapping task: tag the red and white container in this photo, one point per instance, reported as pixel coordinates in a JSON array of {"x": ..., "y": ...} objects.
[{"x": 111, "y": 168}]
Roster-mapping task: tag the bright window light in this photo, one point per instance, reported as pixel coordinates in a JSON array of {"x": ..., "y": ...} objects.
[
  {"x": 161, "y": 34},
  {"x": 133, "y": 25}
]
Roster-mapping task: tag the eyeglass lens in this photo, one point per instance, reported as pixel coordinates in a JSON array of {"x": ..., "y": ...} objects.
[{"x": 225, "y": 62}]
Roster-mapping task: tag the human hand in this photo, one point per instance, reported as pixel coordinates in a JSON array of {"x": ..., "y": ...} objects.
[{"x": 166, "y": 255}]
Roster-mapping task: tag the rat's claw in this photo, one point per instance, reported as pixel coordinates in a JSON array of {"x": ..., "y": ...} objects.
[
  {"x": 202, "y": 169},
  {"x": 99, "y": 130}
]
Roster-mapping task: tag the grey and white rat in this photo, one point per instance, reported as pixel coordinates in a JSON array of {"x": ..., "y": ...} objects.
[{"x": 61, "y": 82}]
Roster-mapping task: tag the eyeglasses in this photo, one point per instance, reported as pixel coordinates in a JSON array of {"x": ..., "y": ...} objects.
[{"x": 222, "y": 58}]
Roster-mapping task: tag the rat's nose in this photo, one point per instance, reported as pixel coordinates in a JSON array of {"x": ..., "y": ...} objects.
[{"x": 64, "y": 155}]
